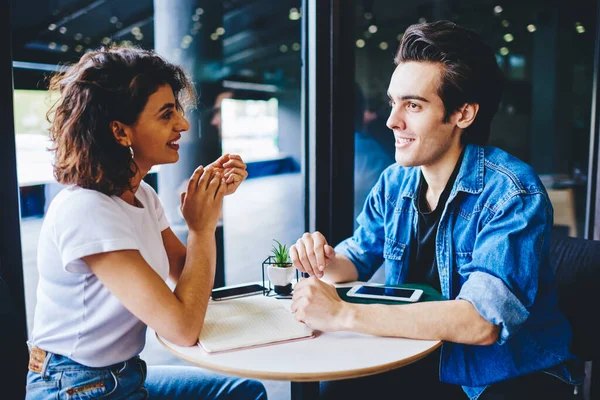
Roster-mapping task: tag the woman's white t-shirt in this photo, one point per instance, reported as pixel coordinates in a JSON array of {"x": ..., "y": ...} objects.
[{"x": 75, "y": 315}]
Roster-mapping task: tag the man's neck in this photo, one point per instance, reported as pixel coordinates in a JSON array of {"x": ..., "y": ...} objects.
[{"x": 437, "y": 175}]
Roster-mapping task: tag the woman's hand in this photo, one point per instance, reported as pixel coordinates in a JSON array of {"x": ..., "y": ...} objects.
[
  {"x": 233, "y": 169},
  {"x": 202, "y": 202}
]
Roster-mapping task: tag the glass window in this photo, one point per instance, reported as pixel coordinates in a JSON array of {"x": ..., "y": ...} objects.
[
  {"x": 250, "y": 127},
  {"x": 34, "y": 162},
  {"x": 244, "y": 58},
  {"x": 546, "y": 53}
]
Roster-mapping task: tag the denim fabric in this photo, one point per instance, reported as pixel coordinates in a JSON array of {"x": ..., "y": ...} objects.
[
  {"x": 178, "y": 382},
  {"x": 63, "y": 378},
  {"x": 491, "y": 249}
]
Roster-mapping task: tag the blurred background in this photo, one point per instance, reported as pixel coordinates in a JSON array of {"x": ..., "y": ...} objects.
[{"x": 245, "y": 57}]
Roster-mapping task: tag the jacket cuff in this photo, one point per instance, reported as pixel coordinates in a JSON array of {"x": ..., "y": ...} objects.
[
  {"x": 352, "y": 250},
  {"x": 494, "y": 302}
]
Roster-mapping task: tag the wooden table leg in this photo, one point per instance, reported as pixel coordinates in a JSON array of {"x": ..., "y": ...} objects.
[{"x": 305, "y": 390}]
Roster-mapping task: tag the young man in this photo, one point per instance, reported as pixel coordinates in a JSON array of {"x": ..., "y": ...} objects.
[{"x": 472, "y": 221}]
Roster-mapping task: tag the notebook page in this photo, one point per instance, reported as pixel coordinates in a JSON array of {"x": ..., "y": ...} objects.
[
  {"x": 239, "y": 331},
  {"x": 217, "y": 310}
]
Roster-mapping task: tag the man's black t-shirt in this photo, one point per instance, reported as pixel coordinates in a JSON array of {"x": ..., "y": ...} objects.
[{"x": 423, "y": 263}]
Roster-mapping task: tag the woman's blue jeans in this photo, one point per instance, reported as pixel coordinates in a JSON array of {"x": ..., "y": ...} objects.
[{"x": 63, "y": 378}]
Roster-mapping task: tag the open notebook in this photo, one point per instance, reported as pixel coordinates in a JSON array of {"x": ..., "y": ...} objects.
[{"x": 249, "y": 321}]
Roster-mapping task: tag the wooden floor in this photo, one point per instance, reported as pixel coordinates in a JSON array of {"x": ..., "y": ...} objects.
[{"x": 261, "y": 210}]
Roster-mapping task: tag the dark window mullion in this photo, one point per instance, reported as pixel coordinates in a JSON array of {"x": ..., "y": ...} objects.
[
  {"x": 593, "y": 202},
  {"x": 329, "y": 116},
  {"x": 13, "y": 334}
]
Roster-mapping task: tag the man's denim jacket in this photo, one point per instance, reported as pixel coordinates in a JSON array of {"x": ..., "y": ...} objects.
[{"x": 491, "y": 249}]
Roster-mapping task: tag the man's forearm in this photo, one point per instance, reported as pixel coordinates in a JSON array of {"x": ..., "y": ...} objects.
[
  {"x": 341, "y": 269},
  {"x": 455, "y": 321}
]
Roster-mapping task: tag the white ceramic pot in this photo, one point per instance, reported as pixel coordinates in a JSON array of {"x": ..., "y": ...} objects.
[{"x": 280, "y": 276}]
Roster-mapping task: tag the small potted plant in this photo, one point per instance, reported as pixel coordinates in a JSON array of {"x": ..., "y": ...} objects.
[{"x": 280, "y": 269}]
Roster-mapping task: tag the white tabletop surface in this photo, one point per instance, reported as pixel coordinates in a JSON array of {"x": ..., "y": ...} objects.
[{"x": 328, "y": 356}]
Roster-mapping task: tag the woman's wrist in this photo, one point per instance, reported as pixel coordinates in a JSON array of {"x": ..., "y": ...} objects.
[{"x": 201, "y": 233}]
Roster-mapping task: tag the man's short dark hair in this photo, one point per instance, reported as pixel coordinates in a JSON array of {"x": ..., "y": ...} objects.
[{"x": 470, "y": 71}]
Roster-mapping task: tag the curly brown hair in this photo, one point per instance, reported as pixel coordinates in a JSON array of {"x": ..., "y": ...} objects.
[{"x": 111, "y": 84}]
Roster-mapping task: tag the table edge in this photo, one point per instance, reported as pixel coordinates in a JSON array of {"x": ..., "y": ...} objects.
[{"x": 303, "y": 377}]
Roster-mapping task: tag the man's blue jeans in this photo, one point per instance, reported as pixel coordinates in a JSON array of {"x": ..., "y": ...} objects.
[{"x": 62, "y": 378}]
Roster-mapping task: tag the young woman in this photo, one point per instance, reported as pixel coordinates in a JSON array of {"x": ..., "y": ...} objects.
[{"x": 106, "y": 249}]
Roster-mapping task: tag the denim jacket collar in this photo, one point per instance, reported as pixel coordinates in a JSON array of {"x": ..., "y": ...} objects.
[
  {"x": 470, "y": 175},
  {"x": 469, "y": 179}
]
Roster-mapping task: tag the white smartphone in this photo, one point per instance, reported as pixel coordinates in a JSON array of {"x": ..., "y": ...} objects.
[{"x": 386, "y": 293}]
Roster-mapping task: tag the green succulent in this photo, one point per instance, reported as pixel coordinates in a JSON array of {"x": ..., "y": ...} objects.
[{"x": 281, "y": 255}]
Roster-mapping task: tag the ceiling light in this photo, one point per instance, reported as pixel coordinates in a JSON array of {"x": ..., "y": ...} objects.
[
  {"x": 422, "y": 20},
  {"x": 64, "y": 48},
  {"x": 383, "y": 45},
  {"x": 295, "y": 46},
  {"x": 531, "y": 28},
  {"x": 360, "y": 43},
  {"x": 220, "y": 31},
  {"x": 368, "y": 15},
  {"x": 51, "y": 27},
  {"x": 498, "y": 10},
  {"x": 113, "y": 19},
  {"x": 136, "y": 30},
  {"x": 508, "y": 38},
  {"x": 294, "y": 14},
  {"x": 195, "y": 17},
  {"x": 199, "y": 11},
  {"x": 579, "y": 28},
  {"x": 52, "y": 45},
  {"x": 79, "y": 48},
  {"x": 78, "y": 36},
  {"x": 63, "y": 29},
  {"x": 504, "y": 51},
  {"x": 505, "y": 23},
  {"x": 283, "y": 48},
  {"x": 214, "y": 36},
  {"x": 373, "y": 28}
]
